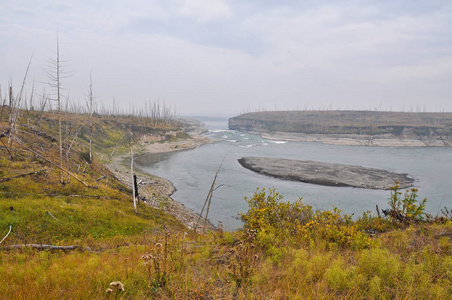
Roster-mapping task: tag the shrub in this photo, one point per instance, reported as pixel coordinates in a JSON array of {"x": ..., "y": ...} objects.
[
  {"x": 278, "y": 223},
  {"x": 336, "y": 230},
  {"x": 339, "y": 276},
  {"x": 273, "y": 219},
  {"x": 372, "y": 224},
  {"x": 407, "y": 208},
  {"x": 158, "y": 264},
  {"x": 243, "y": 262}
]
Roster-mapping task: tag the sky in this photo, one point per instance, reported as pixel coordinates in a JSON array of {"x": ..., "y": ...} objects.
[{"x": 226, "y": 57}]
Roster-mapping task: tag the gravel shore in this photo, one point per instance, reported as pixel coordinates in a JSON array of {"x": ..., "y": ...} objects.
[
  {"x": 325, "y": 173},
  {"x": 157, "y": 191},
  {"x": 357, "y": 140}
]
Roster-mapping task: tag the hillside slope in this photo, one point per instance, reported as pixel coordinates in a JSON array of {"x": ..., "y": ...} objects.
[{"x": 92, "y": 201}]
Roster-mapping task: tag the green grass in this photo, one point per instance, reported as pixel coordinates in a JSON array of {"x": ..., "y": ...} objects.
[{"x": 77, "y": 218}]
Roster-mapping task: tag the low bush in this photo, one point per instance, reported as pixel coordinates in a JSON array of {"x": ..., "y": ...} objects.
[
  {"x": 405, "y": 209},
  {"x": 283, "y": 223}
]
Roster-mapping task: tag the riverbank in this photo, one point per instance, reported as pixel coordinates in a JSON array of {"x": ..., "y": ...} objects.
[
  {"x": 363, "y": 128},
  {"x": 157, "y": 191},
  {"x": 356, "y": 140}
]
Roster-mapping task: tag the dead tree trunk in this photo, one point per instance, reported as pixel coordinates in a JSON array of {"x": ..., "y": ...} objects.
[
  {"x": 59, "y": 111},
  {"x": 39, "y": 247},
  {"x": 15, "y": 106},
  {"x": 42, "y": 108},
  {"x": 90, "y": 120},
  {"x": 23, "y": 175},
  {"x": 11, "y": 122},
  {"x": 133, "y": 185},
  {"x": 208, "y": 200},
  {"x": 3, "y": 103}
]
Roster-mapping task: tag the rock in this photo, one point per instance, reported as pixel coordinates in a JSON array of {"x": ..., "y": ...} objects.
[{"x": 328, "y": 174}]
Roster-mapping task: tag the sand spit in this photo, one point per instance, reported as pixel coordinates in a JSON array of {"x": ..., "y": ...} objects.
[{"x": 328, "y": 174}]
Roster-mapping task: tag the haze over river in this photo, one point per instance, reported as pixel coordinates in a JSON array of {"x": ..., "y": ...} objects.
[{"x": 192, "y": 173}]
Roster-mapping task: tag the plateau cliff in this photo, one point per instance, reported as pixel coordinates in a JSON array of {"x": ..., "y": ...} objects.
[{"x": 359, "y": 127}]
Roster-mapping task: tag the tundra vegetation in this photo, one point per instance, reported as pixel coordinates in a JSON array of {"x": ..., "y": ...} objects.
[{"x": 284, "y": 250}]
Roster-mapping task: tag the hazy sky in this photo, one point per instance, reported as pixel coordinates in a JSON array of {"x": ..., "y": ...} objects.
[{"x": 223, "y": 57}]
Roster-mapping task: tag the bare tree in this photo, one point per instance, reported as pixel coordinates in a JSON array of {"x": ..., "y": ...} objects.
[
  {"x": 3, "y": 103},
  {"x": 31, "y": 98},
  {"x": 54, "y": 75},
  {"x": 58, "y": 68},
  {"x": 209, "y": 199},
  {"x": 14, "y": 107},
  {"x": 43, "y": 106},
  {"x": 90, "y": 111}
]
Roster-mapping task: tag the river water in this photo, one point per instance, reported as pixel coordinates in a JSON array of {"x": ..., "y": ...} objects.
[{"x": 192, "y": 173}]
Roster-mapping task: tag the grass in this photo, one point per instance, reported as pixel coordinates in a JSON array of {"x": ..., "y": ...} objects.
[
  {"x": 208, "y": 267},
  {"x": 284, "y": 251}
]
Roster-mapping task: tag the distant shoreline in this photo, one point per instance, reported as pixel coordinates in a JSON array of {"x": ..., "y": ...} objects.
[
  {"x": 354, "y": 140},
  {"x": 354, "y": 128}
]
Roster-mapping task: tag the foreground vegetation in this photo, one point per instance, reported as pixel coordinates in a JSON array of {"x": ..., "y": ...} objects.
[{"x": 284, "y": 251}]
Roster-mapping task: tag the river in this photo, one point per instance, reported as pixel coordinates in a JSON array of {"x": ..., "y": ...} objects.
[{"x": 192, "y": 173}]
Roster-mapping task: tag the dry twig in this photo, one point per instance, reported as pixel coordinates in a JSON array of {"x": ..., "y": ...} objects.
[{"x": 10, "y": 227}]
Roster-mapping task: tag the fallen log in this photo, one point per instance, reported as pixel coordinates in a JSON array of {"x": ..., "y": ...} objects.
[
  {"x": 23, "y": 175},
  {"x": 54, "y": 164},
  {"x": 39, "y": 247},
  {"x": 38, "y": 132},
  {"x": 87, "y": 196}
]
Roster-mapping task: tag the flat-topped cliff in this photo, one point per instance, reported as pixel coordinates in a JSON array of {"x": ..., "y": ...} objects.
[{"x": 361, "y": 127}]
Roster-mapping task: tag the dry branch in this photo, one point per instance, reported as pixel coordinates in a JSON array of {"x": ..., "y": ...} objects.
[
  {"x": 10, "y": 227},
  {"x": 6, "y": 147},
  {"x": 61, "y": 195},
  {"x": 90, "y": 196},
  {"x": 208, "y": 199},
  {"x": 50, "y": 214},
  {"x": 73, "y": 140}
]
